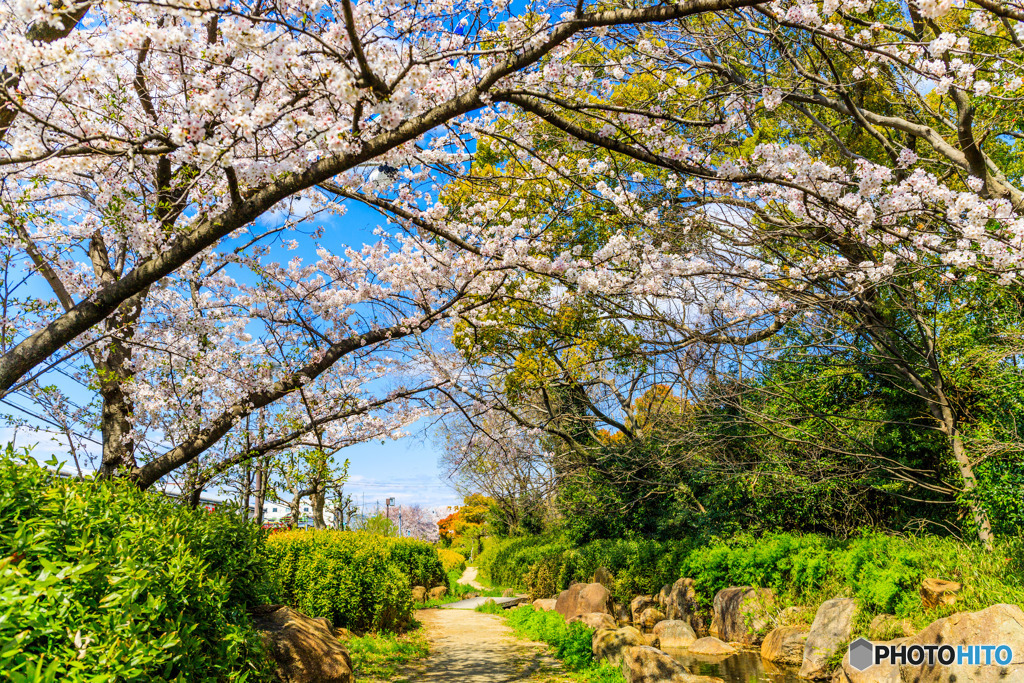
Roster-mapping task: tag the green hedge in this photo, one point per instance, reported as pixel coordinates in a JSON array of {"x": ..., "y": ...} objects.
[
  {"x": 99, "y": 581},
  {"x": 882, "y": 571},
  {"x": 358, "y": 580}
]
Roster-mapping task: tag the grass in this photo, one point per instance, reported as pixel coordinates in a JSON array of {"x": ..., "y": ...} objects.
[
  {"x": 571, "y": 644},
  {"x": 380, "y": 656}
]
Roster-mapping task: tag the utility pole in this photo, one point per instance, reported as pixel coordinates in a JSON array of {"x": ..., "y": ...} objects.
[
  {"x": 399, "y": 522},
  {"x": 388, "y": 502}
]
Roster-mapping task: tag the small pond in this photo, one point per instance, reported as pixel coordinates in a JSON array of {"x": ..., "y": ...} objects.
[{"x": 745, "y": 666}]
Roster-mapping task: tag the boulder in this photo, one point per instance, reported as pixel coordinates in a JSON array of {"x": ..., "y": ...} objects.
[
  {"x": 936, "y": 593},
  {"x": 303, "y": 650},
  {"x": 609, "y": 643},
  {"x": 544, "y": 604},
  {"x": 678, "y": 600},
  {"x": 507, "y": 593},
  {"x": 594, "y": 620},
  {"x": 437, "y": 592},
  {"x": 996, "y": 625},
  {"x": 604, "y": 577},
  {"x": 649, "y": 618},
  {"x": 419, "y": 594},
  {"x": 623, "y": 617},
  {"x": 784, "y": 645},
  {"x": 878, "y": 673},
  {"x": 742, "y": 614},
  {"x": 711, "y": 646},
  {"x": 885, "y": 626},
  {"x": 832, "y": 628},
  {"x": 470, "y": 595},
  {"x": 638, "y": 604},
  {"x": 644, "y": 664},
  {"x": 673, "y": 633},
  {"x": 583, "y": 598}
]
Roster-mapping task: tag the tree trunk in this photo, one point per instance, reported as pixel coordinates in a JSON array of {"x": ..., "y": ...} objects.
[
  {"x": 963, "y": 461},
  {"x": 261, "y": 493},
  {"x": 118, "y": 448},
  {"x": 319, "y": 498},
  {"x": 246, "y": 488}
]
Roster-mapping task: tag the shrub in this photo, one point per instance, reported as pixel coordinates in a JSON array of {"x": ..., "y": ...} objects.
[
  {"x": 359, "y": 581},
  {"x": 572, "y": 642},
  {"x": 883, "y": 572},
  {"x": 451, "y": 560},
  {"x": 100, "y": 581}
]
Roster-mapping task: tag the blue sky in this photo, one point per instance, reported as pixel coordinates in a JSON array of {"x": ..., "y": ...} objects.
[{"x": 406, "y": 469}]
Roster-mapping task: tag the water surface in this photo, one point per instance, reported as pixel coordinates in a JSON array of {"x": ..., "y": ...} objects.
[{"x": 745, "y": 666}]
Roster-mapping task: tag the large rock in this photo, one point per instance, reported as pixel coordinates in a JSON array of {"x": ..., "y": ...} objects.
[
  {"x": 742, "y": 614},
  {"x": 609, "y": 643},
  {"x": 638, "y": 604},
  {"x": 996, "y": 625},
  {"x": 437, "y": 592},
  {"x": 879, "y": 673},
  {"x": 644, "y": 664},
  {"x": 784, "y": 645},
  {"x": 649, "y": 618},
  {"x": 303, "y": 649},
  {"x": 711, "y": 646},
  {"x": 678, "y": 600},
  {"x": 419, "y": 594},
  {"x": 937, "y": 592},
  {"x": 604, "y": 577},
  {"x": 544, "y": 604},
  {"x": 594, "y": 620},
  {"x": 584, "y": 598},
  {"x": 832, "y": 628},
  {"x": 673, "y": 633},
  {"x": 623, "y": 617}
]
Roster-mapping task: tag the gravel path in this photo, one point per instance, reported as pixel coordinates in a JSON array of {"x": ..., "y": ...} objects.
[{"x": 473, "y": 647}]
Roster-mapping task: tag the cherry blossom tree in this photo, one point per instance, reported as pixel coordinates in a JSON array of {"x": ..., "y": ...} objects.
[{"x": 736, "y": 162}]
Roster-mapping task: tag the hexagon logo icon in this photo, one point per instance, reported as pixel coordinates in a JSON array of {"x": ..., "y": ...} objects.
[{"x": 862, "y": 654}]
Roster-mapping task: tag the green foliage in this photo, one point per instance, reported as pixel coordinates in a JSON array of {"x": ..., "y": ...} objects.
[
  {"x": 571, "y": 642},
  {"x": 545, "y": 565},
  {"x": 883, "y": 572},
  {"x": 380, "y": 656},
  {"x": 451, "y": 560},
  {"x": 101, "y": 579},
  {"x": 490, "y": 607},
  {"x": 358, "y": 580}
]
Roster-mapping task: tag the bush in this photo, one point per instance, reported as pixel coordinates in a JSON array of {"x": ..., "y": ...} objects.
[
  {"x": 451, "y": 560},
  {"x": 883, "y": 572},
  {"x": 100, "y": 581},
  {"x": 571, "y": 642},
  {"x": 357, "y": 580}
]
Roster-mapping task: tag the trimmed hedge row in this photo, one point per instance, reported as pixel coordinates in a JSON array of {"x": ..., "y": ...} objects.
[
  {"x": 100, "y": 581},
  {"x": 358, "y": 580},
  {"x": 883, "y": 572}
]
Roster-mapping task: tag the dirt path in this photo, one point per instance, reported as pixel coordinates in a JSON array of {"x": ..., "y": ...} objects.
[
  {"x": 469, "y": 578},
  {"x": 473, "y": 647}
]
